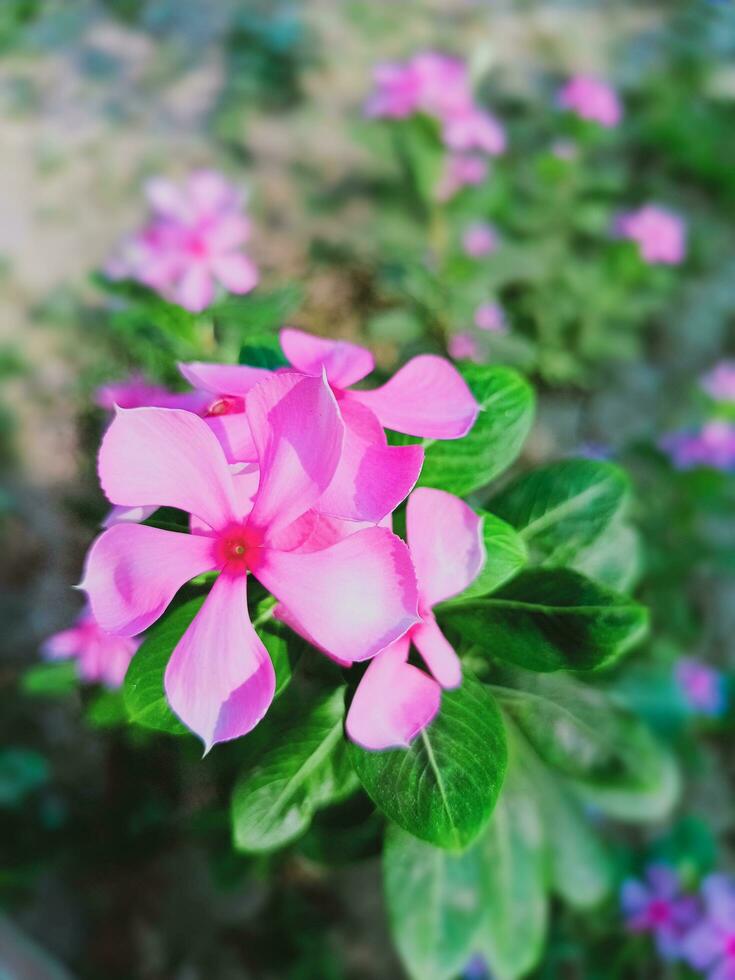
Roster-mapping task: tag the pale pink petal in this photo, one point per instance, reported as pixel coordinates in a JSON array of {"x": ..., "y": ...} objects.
[
  {"x": 233, "y": 434},
  {"x": 445, "y": 538},
  {"x": 236, "y": 272},
  {"x": 354, "y": 598},
  {"x": 165, "y": 198},
  {"x": 210, "y": 192},
  {"x": 220, "y": 680},
  {"x": 345, "y": 363},
  {"x": 133, "y": 571},
  {"x": 394, "y": 701},
  {"x": 428, "y": 397},
  {"x": 63, "y": 645},
  {"x": 223, "y": 379},
  {"x": 438, "y": 653},
  {"x": 285, "y": 616},
  {"x": 245, "y": 479},
  {"x": 167, "y": 457},
  {"x": 195, "y": 289},
  {"x": 128, "y": 515},
  {"x": 372, "y": 478},
  {"x": 230, "y": 231},
  {"x": 298, "y": 433}
]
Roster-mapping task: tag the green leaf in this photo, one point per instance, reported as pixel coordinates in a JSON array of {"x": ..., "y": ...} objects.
[
  {"x": 561, "y": 508},
  {"x": 106, "y": 710},
  {"x": 506, "y": 555},
  {"x": 512, "y": 858},
  {"x": 305, "y": 767},
  {"x": 442, "y": 788},
  {"x": 548, "y": 619},
  {"x": 50, "y": 680},
  {"x": 434, "y": 904},
  {"x": 506, "y": 411},
  {"x": 145, "y": 701},
  {"x": 259, "y": 311},
  {"x": 614, "y": 559},
  {"x": 262, "y": 350}
]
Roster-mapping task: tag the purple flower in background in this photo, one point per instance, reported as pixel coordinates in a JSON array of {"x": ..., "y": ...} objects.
[
  {"x": 703, "y": 687},
  {"x": 659, "y": 233},
  {"x": 713, "y": 445},
  {"x": 479, "y": 239},
  {"x": 657, "y": 906},
  {"x": 463, "y": 347},
  {"x": 719, "y": 383},
  {"x": 490, "y": 317},
  {"x": 100, "y": 656},
  {"x": 592, "y": 99},
  {"x": 476, "y": 969},
  {"x": 460, "y": 171},
  {"x": 710, "y": 945}
]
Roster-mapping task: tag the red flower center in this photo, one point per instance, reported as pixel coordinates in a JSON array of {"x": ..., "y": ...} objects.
[
  {"x": 226, "y": 405},
  {"x": 238, "y": 549},
  {"x": 659, "y": 912}
]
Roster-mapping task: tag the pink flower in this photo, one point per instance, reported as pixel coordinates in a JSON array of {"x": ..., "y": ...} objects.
[
  {"x": 463, "y": 347},
  {"x": 591, "y": 98},
  {"x": 713, "y": 445},
  {"x": 710, "y": 945},
  {"x": 100, "y": 656},
  {"x": 353, "y": 597},
  {"x": 479, "y": 239},
  {"x": 719, "y": 383},
  {"x": 657, "y": 906},
  {"x": 460, "y": 171},
  {"x": 660, "y": 234},
  {"x": 427, "y": 397},
  {"x": 429, "y": 82},
  {"x": 193, "y": 240},
  {"x": 490, "y": 316},
  {"x": 394, "y": 700},
  {"x": 136, "y": 392},
  {"x": 474, "y": 130},
  {"x": 703, "y": 687}
]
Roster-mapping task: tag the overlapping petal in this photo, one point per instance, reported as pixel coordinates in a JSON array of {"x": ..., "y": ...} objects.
[
  {"x": 223, "y": 379},
  {"x": 438, "y": 653},
  {"x": 344, "y": 363}
]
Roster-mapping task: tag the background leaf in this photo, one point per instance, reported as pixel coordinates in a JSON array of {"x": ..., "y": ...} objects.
[{"x": 506, "y": 555}]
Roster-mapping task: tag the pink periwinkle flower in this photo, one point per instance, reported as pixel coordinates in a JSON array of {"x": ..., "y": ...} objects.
[
  {"x": 479, "y": 239},
  {"x": 463, "y": 346},
  {"x": 713, "y": 445},
  {"x": 659, "y": 233},
  {"x": 193, "y": 240},
  {"x": 101, "y": 657},
  {"x": 474, "y": 130},
  {"x": 710, "y": 945},
  {"x": 460, "y": 171},
  {"x": 657, "y": 906},
  {"x": 394, "y": 701},
  {"x": 703, "y": 687},
  {"x": 490, "y": 317},
  {"x": 719, "y": 383},
  {"x": 353, "y": 594},
  {"x": 592, "y": 99},
  {"x": 429, "y": 82}
]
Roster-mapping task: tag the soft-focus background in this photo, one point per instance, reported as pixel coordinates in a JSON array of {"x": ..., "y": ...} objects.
[{"x": 113, "y": 862}]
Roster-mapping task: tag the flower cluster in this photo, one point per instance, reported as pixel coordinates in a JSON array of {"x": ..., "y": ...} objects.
[
  {"x": 193, "y": 239},
  {"x": 696, "y": 929},
  {"x": 592, "y": 99},
  {"x": 713, "y": 445},
  {"x": 659, "y": 233},
  {"x": 288, "y": 476},
  {"x": 101, "y": 657},
  {"x": 438, "y": 86}
]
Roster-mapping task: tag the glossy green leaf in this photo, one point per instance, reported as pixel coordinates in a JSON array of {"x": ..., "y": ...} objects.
[
  {"x": 435, "y": 904},
  {"x": 548, "y": 619},
  {"x": 442, "y": 788},
  {"x": 107, "y": 710},
  {"x": 561, "y": 508},
  {"x": 506, "y": 554},
  {"x": 614, "y": 559},
  {"x": 304, "y": 767},
  {"x": 50, "y": 680}
]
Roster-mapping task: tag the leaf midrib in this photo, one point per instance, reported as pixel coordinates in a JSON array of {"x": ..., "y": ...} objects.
[
  {"x": 564, "y": 509},
  {"x": 308, "y": 767}
]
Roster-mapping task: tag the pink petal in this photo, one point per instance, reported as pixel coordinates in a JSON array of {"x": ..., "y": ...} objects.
[
  {"x": 133, "y": 571},
  {"x": 445, "y": 538},
  {"x": 245, "y": 479},
  {"x": 165, "y": 198},
  {"x": 166, "y": 457},
  {"x": 354, "y": 598},
  {"x": 223, "y": 379},
  {"x": 234, "y": 436},
  {"x": 438, "y": 653},
  {"x": 195, "y": 289},
  {"x": 298, "y": 433},
  {"x": 230, "y": 231},
  {"x": 220, "y": 680},
  {"x": 210, "y": 192},
  {"x": 345, "y": 363},
  {"x": 393, "y": 702},
  {"x": 236, "y": 272},
  {"x": 128, "y": 515},
  {"x": 372, "y": 478},
  {"x": 61, "y": 646},
  {"x": 428, "y": 397}
]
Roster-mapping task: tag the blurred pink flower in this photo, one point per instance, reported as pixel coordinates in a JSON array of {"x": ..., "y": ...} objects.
[
  {"x": 657, "y": 906},
  {"x": 490, "y": 317},
  {"x": 429, "y": 82},
  {"x": 660, "y": 234},
  {"x": 394, "y": 700},
  {"x": 713, "y": 445},
  {"x": 462, "y": 346},
  {"x": 101, "y": 657},
  {"x": 193, "y": 240},
  {"x": 719, "y": 383},
  {"x": 710, "y": 946},
  {"x": 474, "y": 130},
  {"x": 592, "y": 99},
  {"x": 703, "y": 687},
  {"x": 460, "y": 171},
  {"x": 479, "y": 239}
]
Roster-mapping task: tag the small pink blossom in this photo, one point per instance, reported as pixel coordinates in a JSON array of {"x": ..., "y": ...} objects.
[
  {"x": 490, "y": 317},
  {"x": 394, "y": 700},
  {"x": 474, "y": 130},
  {"x": 713, "y": 445},
  {"x": 710, "y": 945},
  {"x": 657, "y": 906},
  {"x": 660, "y": 234},
  {"x": 592, "y": 99},
  {"x": 719, "y": 383},
  {"x": 479, "y": 239},
  {"x": 462, "y": 346},
  {"x": 101, "y": 657},
  {"x": 429, "y": 82},
  {"x": 193, "y": 240},
  {"x": 460, "y": 171},
  {"x": 703, "y": 687}
]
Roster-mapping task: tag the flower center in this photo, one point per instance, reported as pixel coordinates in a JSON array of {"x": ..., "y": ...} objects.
[
  {"x": 226, "y": 405},
  {"x": 237, "y": 549},
  {"x": 730, "y": 946},
  {"x": 659, "y": 912}
]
